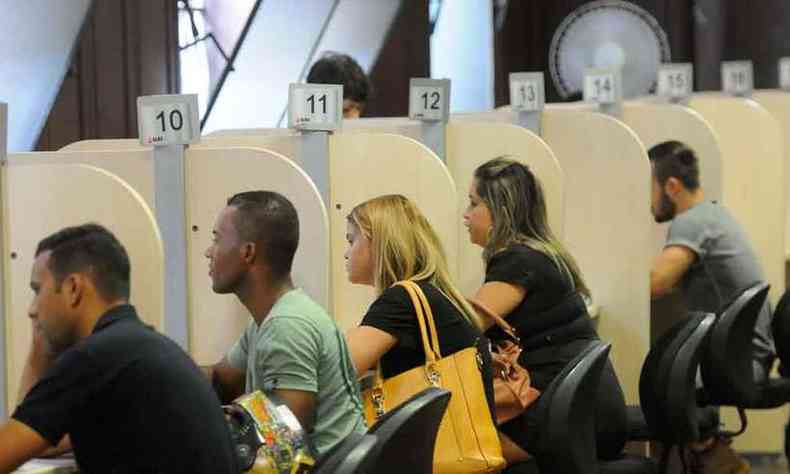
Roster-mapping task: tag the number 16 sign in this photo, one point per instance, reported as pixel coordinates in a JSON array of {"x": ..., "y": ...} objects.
[{"x": 168, "y": 119}]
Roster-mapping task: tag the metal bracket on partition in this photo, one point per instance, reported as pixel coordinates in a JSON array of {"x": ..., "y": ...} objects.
[
  {"x": 434, "y": 137},
  {"x": 528, "y": 98},
  {"x": 429, "y": 102},
  {"x": 316, "y": 110},
  {"x": 170, "y": 202},
  {"x": 314, "y": 160},
  {"x": 169, "y": 123},
  {"x": 3, "y": 262}
]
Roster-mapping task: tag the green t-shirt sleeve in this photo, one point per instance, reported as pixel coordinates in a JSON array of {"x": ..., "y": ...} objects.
[
  {"x": 288, "y": 355},
  {"x": 237, "y": 355}
]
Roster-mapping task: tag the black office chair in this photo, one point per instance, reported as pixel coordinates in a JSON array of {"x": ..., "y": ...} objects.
[
  {"x": 727, "y": 370},
  {"x": 780, "y": 327},
  {"x": 566, "y": 408},
  {"x": 667, "y": 387},
  {"x": 355, "y": 455},
  {"x": 407, "y": 433}
]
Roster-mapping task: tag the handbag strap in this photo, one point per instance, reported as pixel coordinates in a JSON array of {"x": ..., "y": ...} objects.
[
  {"x": 499, "y": 320},
  {"x": 428, "y": 314},
  {"x": 422, "y": 311}
]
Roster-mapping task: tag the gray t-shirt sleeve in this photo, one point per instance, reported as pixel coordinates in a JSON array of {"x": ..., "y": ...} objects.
[
  {"x": 237, "y": 355},
  {"x": 686, "y": 231},
  {"x": 288, "y": 355}
]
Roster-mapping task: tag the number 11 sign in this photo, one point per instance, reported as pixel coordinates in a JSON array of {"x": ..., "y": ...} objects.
[
  {"x": 168, "y": 119},
  {"x": 315, "y": 106}
]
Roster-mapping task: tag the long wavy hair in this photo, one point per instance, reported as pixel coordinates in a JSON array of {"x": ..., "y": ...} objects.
[
  {"x": 405, "y": 247},
  {"x": 516, "y": 201}
]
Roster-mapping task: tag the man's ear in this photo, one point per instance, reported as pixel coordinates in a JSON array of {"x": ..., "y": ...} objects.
[
  {"x": 249, "y": 251},
  {"x": 672, "y": 186},
  {"x": 74, "y": 288}
]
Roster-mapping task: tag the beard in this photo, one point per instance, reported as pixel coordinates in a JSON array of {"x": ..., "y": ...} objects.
[
  {"x": 57, "y": 341},
  {"x": 666, "y": 210}
]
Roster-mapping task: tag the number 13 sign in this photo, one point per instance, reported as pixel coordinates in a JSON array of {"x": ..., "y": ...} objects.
[{"x": 168, "y": 119}]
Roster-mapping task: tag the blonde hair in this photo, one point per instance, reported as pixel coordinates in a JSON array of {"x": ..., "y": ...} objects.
[
  {"x": 405, "y": 247},
  {"x": 516, "y": 201}
]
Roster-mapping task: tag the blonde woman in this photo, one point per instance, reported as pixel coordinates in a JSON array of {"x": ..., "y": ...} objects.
[
  {"x": 389, "y": 241},
  {"x": 534, "y": 283}
]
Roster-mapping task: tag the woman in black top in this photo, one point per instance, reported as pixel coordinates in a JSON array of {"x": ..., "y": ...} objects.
[
  {"x": 534, "y": 283},
  {"x": 389, "y": 241}
]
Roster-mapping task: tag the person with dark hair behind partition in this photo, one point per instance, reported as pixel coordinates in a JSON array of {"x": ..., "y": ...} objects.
[
  {"x": 336, "y": 68},
  {"x": 130, "y": 399},
  {"x": 292, "y": 348},
  {"x": 708, "y": 255}
]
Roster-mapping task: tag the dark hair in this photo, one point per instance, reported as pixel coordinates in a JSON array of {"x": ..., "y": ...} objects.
[
  {"x": 335, "y": 68},
  {"x": 673, "y": 159},
  {"x": 270, "y": 219},
  {"x": 93, "y": 250},
  {"x": 515, "y": 199}
]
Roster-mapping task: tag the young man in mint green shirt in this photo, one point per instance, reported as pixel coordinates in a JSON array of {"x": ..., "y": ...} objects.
[{"x": 292, "y": 347}]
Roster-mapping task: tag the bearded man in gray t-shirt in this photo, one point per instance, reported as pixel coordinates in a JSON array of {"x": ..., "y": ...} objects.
[{"x": 707, "y": 255}]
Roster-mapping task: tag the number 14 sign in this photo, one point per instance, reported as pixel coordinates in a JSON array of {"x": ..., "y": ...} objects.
[{"x": 168, "y": 119}]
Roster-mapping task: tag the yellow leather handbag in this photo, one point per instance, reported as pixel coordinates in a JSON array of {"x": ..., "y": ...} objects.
[{"x": 467, "y": 441}]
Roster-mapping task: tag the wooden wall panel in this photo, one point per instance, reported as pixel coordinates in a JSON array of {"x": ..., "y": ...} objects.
[
  {"x": 127, "y": 48},
  {"x": 405, "y": 54}
]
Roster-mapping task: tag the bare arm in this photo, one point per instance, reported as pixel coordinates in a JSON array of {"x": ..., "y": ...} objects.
[
  {"x": 367, "y": 345},
  {"x": 38, "y": 361},
  {"x": 302, "y": 404},
  {"x": 227, "y": 380},
  {"x": 669, "y": 268},
  {"x": 499, "y": 298},
  {"x": 18, "y": 444}
]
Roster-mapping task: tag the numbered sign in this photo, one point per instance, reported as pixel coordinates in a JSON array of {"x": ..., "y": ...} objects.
[
  {"x": 429, "y": 99},
  {"x": 784, "y": 73},
  {"x": 315, "y": 106},
  {"x": 675, "y": 80},
  {"x": 168, "y": 119},
  {"x": 527, "y": 91},
  {"x": 737, "y": 77},
  {"x": 602, "y": 86}
]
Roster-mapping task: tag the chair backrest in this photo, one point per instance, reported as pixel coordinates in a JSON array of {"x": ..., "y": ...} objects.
[
  {"x": 780, "y": 327},
  {"x": 681, "y": 397},
  {"x": 727, "y": 366},
  {"x": 355, "y": 455},
  {"x": 407, "y": 433},
  {"x": 567, "y": 413},
  {"x": 655, "y": 374}
]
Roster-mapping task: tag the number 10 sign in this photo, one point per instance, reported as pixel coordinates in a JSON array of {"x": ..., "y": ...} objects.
[{"x": 168, "y": 119}]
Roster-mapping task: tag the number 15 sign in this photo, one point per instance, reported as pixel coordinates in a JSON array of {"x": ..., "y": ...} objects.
[{"x": 168, "y": 119}]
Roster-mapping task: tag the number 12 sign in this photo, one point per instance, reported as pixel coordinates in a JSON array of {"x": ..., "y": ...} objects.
[
  {"x": 429, "y": 99},
  {"x": 168, "y": 119}
]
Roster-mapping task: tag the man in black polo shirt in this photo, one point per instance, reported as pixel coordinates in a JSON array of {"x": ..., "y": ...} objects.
[{"x": 129, "y": 398}]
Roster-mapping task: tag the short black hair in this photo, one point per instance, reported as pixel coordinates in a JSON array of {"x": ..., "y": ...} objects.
[
  {"x": 336, "y": 68},
  {"x": 673, "y": 159},
  {"x": 268, "y": 218},
  {"x": 93, "y": 250}
]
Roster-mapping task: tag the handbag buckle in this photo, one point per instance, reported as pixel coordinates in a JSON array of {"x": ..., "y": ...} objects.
[
  {"x": 377, "y": 395},
  {"x": 433, "y": 375}
]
